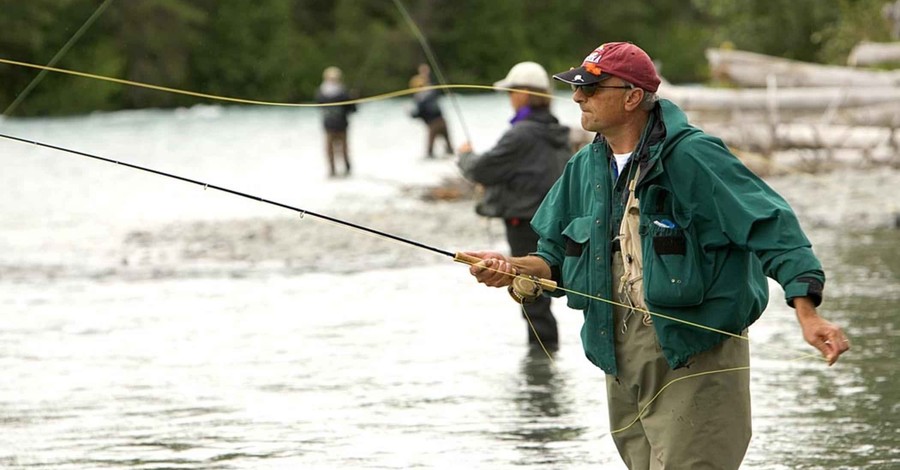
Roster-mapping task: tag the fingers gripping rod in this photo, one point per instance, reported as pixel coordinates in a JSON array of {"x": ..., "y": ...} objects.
[{"x": 521, "y": 281}]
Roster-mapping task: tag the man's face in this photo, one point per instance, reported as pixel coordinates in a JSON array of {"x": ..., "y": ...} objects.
[
  {"x": 602, "y": 107},
  {"x": 517, "y": 99}
]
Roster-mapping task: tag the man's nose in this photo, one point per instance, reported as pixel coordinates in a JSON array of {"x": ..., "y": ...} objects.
[{"x": 578, "y": 95}]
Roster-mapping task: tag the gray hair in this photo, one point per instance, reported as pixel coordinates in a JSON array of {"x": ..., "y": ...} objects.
[{"x": 649, "y": 100}]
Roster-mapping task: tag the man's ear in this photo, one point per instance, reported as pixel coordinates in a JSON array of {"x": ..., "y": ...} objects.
[{"x": 634, "y": 98}]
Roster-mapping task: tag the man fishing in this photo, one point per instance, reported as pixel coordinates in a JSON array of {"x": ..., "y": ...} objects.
[{"x": 663, "y": 220}]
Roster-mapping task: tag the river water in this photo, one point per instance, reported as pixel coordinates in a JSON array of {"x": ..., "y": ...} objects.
[{"x": 148, "y": 323}]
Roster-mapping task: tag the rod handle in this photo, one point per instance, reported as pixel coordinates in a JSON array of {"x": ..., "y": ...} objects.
[
  {"x": 460, "y": 257},
  {"x": 463, "y": 258}
]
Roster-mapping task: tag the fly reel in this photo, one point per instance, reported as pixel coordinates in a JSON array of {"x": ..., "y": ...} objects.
[{"x": 525, "y": 289}]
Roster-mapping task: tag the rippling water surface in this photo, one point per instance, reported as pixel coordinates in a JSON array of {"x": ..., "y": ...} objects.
[{"x": 146, "y": 323}]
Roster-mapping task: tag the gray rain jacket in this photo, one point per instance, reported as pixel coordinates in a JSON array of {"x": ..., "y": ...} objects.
[{"x": 519, "y": 171}]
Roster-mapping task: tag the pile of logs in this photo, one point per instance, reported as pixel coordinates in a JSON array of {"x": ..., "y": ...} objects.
[{"x": 791, "y": 112}]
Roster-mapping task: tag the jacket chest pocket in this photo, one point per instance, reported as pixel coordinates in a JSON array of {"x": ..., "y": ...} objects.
[
  {"x": 575, "y": 268},
  {"x": 672, "y": 271}
]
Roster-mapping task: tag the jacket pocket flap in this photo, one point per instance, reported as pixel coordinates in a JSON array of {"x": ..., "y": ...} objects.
[{"x": 579, "y": 230}]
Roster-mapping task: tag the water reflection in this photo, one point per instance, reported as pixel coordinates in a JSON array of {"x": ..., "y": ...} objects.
[
  {"x": 850, "y": 417},
  {"x": 544, "y": 426},
  {"x": 538, "y": 393},
  {"x": 868, "y": 397}
]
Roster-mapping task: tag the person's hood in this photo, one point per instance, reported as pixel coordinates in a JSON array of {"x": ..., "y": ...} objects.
[
  {"x": 667, "y": 127},
  {"x": 675, "y": 126},
  {"x": 549, "y": 127}
]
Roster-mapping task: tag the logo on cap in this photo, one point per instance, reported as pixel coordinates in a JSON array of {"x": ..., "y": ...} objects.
[
  {"x": 578, "y": 78},
  {"x": 591, "y": 63},
  {"x": 595, "y": 56},
  {"x": 593, "y": 68}
]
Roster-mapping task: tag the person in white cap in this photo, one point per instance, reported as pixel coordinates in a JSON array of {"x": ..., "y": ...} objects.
[
  {"x": 517, "y": 173},
  {"x": 665, "y": 239},
  {"x": 335, "y": 118}
]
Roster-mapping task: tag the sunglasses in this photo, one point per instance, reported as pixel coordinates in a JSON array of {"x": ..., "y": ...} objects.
[{"x": 589, "y": 90}]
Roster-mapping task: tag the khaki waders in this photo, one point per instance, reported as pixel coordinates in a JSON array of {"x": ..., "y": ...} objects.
[{"x": 700, "y": 422}]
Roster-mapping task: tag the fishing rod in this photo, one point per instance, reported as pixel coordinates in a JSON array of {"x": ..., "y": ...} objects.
[
  {"x": 524, "y": 286},
  {"x": 59, "y": 55},
  {"x": 432, "y": 59},
  {"x": 460, "y": 257}
]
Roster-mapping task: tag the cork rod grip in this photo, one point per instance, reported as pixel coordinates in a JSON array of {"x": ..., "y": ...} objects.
[{"x": 460, "y": 257}]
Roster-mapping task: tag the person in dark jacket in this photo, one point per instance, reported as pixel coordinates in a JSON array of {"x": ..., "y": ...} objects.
[
  {"x": 518, "y": 172},
  {"x": 665, "y": 239},
  {"x": 335, "y": 118},
  {"x": 428, "y": 109}
]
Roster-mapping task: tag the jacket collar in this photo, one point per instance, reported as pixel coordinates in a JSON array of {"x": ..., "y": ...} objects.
[
  {"x": 650, "y": 148},
  {"x": 648, "y": 151}
]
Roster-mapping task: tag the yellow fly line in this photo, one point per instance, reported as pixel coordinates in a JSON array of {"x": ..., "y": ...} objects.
[
  {"x": 637, "y": 309},
  {"x": 646, "y": 406},
  {"x": 59, "y": 55},
  {"x": 383, "y": 96},
  {"x": 368, "y": 99}
]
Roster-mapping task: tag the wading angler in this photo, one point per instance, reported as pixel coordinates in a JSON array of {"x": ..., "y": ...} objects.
[{"x": 661, "y": 217}]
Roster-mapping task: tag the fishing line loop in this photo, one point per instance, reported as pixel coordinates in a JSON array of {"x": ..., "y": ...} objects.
[
  {"x": 536, "y": 335},
  {"x": 529, "y": 278},
  {"x": 380, "y": 97}
]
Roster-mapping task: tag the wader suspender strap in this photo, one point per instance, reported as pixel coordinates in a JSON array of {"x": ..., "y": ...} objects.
[{"x": 631, "y": 286}]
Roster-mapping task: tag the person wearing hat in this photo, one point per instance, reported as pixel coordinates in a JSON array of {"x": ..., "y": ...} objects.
[
  {"x": 428, "y": 109},
  {"x": 672, "y": 237},
  {"x": 335, "y": 118},
  {"x": 517, "y": 173}
]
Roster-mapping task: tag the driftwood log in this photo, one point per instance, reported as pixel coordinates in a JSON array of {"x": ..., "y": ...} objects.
[
  {"x": 874, "y": 53},
  {"x": 816, "y": 99},
  {"x": 788, "y": 114},
  {"x": 760, "y": 136},
  {"x": 749, "y": 69},
  {"x": 784, "y": 116}
]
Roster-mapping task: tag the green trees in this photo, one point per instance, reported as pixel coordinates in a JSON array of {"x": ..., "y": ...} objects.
[
  {"x": 155, "y": 42},
  {"x": 275, "y": 50}
]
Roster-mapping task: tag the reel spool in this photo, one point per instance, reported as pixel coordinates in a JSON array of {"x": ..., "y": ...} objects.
[{"x": 525, "y": 289}]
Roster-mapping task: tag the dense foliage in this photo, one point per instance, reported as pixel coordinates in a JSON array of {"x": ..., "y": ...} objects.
[{"x": 275, "y": 50}]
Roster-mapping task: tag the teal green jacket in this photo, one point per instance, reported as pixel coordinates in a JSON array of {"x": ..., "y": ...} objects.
[{"x": 711, "y": 231}]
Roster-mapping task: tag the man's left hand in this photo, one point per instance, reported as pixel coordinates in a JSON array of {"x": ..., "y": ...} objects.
[{"x": 820, "y": 333}]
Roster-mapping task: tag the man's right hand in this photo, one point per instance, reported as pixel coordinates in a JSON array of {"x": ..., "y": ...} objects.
[{"x": 494, "y": 269}]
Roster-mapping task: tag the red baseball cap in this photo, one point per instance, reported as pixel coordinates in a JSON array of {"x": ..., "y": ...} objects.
[{"x": 614, "y": 59}]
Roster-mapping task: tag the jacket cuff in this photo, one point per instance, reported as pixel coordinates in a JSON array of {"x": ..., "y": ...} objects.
[{"x": 804, "y": 287}]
